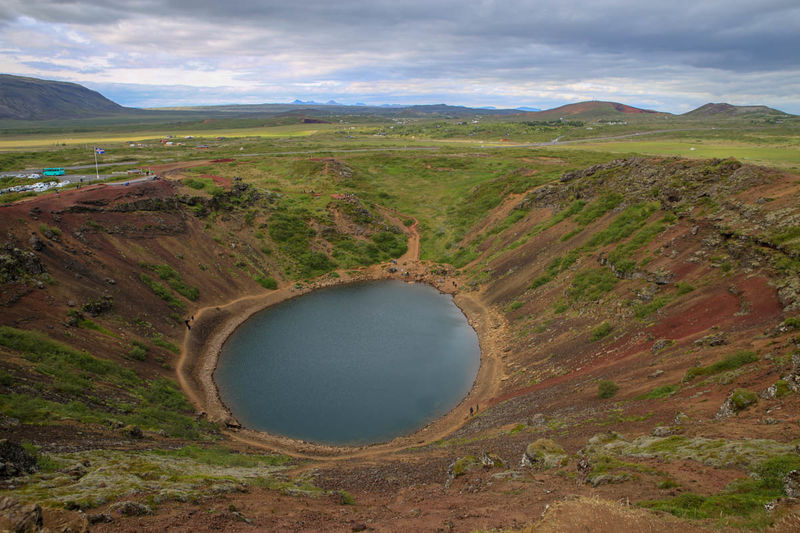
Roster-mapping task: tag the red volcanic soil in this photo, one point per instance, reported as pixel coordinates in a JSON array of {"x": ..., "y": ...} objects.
[
  {"x": 743, "y": 304},
  {"x": 219, "y": 180},
  {"x": 102, "y": 194},
  {"x": 622, "y": 108},
  {"x": 583, "y": 107}
]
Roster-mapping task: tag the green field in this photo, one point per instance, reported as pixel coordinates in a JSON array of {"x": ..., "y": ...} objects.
[
  {"x": 446, "y": 172},
  {"x": 784, "y": 156}
]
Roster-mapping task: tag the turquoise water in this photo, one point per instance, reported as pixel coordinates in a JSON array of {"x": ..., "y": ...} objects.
[{"x": 353, "y": 364}]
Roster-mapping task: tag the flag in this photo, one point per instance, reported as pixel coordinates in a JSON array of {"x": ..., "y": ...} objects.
[{"x": 99, "y": 150}]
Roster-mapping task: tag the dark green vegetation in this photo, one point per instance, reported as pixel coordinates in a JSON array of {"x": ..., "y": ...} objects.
[
  {"x": 664, "y": 391},
  {"x": 742, "y": 503},
  {"x": 73, "y": 385},
  {"x": 729, "y": 362},
  {"x": 607, "y": 389},
  {"x": 601, "y": 331}
]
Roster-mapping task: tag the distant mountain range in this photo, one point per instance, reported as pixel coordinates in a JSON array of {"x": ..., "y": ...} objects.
[{"x": 34, "y": 99}]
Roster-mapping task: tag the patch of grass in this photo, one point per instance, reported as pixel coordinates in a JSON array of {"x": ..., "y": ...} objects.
[
  {"x": 463, "y": 465},
  {"x": 668, "y": 484},
  {"x": 665, "y": 391},
  {"x": 51, "y": 232},
  {"x": 591, "y": 285},
  {"x": 162, "y": 292},
  {"x": 606, "y": 389},
  {"x": 624, "y": 225},
  {"x": 773, "y": 470},
  {"x": 601, "y": 331},
  {"x": 560, "y": 306},
  {"x": 137, "y": 352},
  {"x": 743, "y": 398},
  {"x": 161, "y": 342},
  {"x": 38, "y": 348},
  {"x": 513, "y": 306},
  {"x": 683, "y": 288},
  {"x": 173, "y": 278},
  {"x": 597, "y": 208},
  {"x": 643, "y": 310},
  {"x": 43, "y": 461},
  {"x": 781, "y": 388},
  {"x": 620, "y": 256},
  {"x": 729, "y": 362},
  {"x": 741, "y": 503},
  {"x": 346, "y": 498},
  {"x": 221, "y": 456},
  {"x": 156, "y": 404},
  {"x": 390, "y": 243},
  {"x": 515, "y": 216}
]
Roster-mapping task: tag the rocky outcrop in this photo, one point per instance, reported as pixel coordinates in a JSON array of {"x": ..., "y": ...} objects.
[
  {"x": 738, "y": 400},
  {"x": 129, "y": 508},
  {"x": 543, "y": 454},
  {"x": 14, "y": 460},
  {"x": 18, "y": 517},
  {"x": 17, "y": 264},
  {"x": 791, "y": 484}
]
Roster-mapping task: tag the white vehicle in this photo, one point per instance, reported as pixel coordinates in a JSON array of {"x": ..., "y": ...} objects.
[{"x": 34, "y": 176}]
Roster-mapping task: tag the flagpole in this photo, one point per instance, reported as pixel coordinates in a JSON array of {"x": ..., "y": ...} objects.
[{"x": 96, "y": 172}]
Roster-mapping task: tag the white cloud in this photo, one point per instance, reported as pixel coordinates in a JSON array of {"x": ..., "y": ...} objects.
[{"x": 481, "y": 52}]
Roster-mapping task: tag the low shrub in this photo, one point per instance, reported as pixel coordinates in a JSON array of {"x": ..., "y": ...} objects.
[
  {"x": 601, "y": 331},
  {"x": 607, "y": 389}
]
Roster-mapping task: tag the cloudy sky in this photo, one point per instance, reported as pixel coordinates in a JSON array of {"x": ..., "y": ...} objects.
[{"x": 672, "y": 56}]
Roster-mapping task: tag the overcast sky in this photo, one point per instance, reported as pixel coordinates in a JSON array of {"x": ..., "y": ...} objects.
[{"x": 671, "y": 56}]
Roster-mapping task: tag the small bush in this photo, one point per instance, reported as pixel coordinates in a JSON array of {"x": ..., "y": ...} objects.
[
  {"x": 781, "y": 388},
  {"x": 743, "y": 398},
  {"x": 668, "y": 484},
  {"x": 51, "y": 232},
  {"x": 601, "y": 331},
  {"x": 346, "y": 498},
  {"x": 463, "y": 465},
  {"x": 138, "y": 353},
  {"x": 683, "y": 288},
  {"x": 607, "y": 389},
  {"x": 268, "y": 282}
]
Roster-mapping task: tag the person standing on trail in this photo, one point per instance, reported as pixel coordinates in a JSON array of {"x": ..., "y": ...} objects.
[
  {"x": 470, "y": 410},
  {"x": 187, "y": 324}
]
